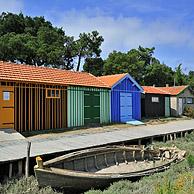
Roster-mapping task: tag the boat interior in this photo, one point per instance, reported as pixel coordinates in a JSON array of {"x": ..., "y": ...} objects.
[{"x": 110, "y": 160}]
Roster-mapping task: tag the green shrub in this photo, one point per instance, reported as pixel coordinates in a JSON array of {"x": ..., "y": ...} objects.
[
  {"x": 190, "y": 160},
  {"x": 24, "y": 185},
  {"x": 189, "y": 112}
]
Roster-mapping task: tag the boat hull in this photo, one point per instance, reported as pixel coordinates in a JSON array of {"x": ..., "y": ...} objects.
[
  {"x": 60, "y": 178},
  {"x": 99, "y": 167},
  {"x": 71, "y": 182}
]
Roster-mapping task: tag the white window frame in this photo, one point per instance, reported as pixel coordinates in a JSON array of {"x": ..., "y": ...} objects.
[
  {"x": 155, "y": 99},
  {"x": 190, "y": 100},
  {"x": 6, "y": 95}
]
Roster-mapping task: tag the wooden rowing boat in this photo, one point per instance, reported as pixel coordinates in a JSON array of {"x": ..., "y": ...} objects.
[{"x": 98, "y": 167}]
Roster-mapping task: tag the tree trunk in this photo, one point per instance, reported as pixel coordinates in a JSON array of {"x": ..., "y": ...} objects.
[{"x": 79, "y": 62}]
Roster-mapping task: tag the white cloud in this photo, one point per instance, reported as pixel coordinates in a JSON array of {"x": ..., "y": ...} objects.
[
  {"x": 124, "y": 33},
  {"x": 14, "y": 6},
  {"x": 140, "y": 6}
]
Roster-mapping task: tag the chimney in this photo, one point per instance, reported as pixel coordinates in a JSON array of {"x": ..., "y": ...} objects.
[
  {"x": 154, "y": 85},
  {"x": 167, "y": 85}
]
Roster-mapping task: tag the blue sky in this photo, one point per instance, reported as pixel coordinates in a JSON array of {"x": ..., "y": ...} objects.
[{"x": 124, "y": 24}]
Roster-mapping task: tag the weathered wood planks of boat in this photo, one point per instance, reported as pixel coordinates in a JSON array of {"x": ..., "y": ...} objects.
[{"x": 98, "y": 167}]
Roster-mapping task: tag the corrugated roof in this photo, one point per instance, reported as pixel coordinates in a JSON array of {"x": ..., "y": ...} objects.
[
  {"x": 110, "y": 80},
  {"x": 154, "y": 90},
  {"x": 175, "y": 90},
  {"x": 28, "y": 73}
]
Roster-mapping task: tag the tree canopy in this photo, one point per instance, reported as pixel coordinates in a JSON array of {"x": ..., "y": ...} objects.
[
  {"x": 35, "y": 41},
  {"x": 180, "y": 78},
  {"x": 94, "y": 66},
  {"x": 30, "y": 40},
  {"x": 88, "y": 45},
  {"x": 144, "y": 67},
  {"x": 159, "y": 75},
  {"x": 141, "y": 64}
]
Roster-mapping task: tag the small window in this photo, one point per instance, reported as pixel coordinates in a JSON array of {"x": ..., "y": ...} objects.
[
  {"x": 6, "y": 95},
  {"x": 190, "y": 100},
  {"x": 52, "y": 93},
  {"x": 48, "y": 93},
  {"x": 155, "y": 99},
  {"x": 57, "y": 93}
]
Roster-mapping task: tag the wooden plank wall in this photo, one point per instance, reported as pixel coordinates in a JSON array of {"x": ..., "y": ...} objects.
[
  {"x": 154, "y": 109},
  {"x": 35, "y": 111}
]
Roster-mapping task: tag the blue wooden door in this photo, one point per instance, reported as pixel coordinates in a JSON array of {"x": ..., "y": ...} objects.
[{"x": 126, "y": 110}]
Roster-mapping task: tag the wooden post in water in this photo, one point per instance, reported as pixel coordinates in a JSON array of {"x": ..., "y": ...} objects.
[
  {"x": 10, "y": 169},
  {"x": 139, "y": 142},
  {"x": 27, "y": 160},
  {"x": 174, "y": 136},
  {"x": 20, "y": 168},
  {"x": 164, "y": 139}
]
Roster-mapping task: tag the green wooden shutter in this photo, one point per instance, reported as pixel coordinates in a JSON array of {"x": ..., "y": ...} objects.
[
  {"x": 167, "y": 106},
  {"x": 91, "y": 107}
]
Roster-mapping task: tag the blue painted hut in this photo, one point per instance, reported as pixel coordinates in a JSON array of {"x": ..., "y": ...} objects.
[{"x": 125, "y": 97}]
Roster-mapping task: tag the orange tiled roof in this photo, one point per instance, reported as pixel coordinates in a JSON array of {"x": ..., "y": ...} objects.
[
  {"x": 110, "y": 80},
  {"x": 27, "y": 73},
  {"x": 154, "y": 90},
  {"x": 175, "y": 90}
]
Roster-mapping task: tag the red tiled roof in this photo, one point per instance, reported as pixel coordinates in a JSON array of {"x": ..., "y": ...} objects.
[
  {"x": 175, "y": 90},
  {"x": 27, "y": 73},
  {"x": 154, "y": 90},
  {"x": 110, "y": 80}
]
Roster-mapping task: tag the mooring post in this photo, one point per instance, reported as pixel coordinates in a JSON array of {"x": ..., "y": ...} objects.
[
  {"x": 181, "y": 134},
  {"x": 164, "y": 138},
  {"x": 10, "y": 169},
  {"x": 27, "y": 159},
  {"x": 174, "y": 136},
  {"x": 39, "y": 163},
  {"x": 20, "y": 168},
  {"x": 151, "y": 140},
  {"x": 171, "y": 137},
  {"x": 139, "y": 142}
]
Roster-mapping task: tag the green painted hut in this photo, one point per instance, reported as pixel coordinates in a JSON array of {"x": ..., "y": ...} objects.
[{"x": 87, "y": 105}]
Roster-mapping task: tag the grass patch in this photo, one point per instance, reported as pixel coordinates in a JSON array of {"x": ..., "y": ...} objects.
[
  {"x": 24, "y": 186},
  {"x": 190, "y": 160}
]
